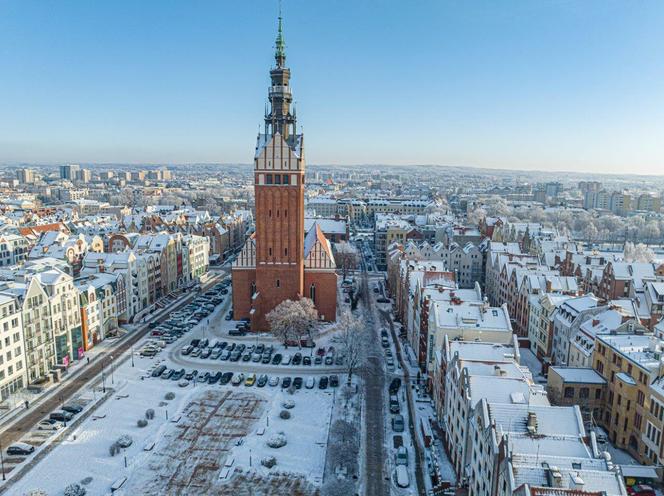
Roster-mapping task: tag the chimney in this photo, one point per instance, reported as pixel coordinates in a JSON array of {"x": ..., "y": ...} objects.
[
  {"x": 548, "y": 285},
  {"x": 531, "y": 423}
]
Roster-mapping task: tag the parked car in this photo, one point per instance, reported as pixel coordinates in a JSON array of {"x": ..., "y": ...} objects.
[
  {"x": 398, "y": 423},
  {"x": 297, "y": 382},
  {"x": 395, "y": 407},
  {"x": 20, "y": 449},
  {"x": 334, "y": 380},
  {"x": 402, "y": 476},
  {"x": 395, "y": 385},
  {"x": 206, "y": 353},
  {"x": 274, "y": 381},
  {"x": 166, "y": 374},
  {"x": 237, "y": 379},
  {"x": 226, "y": 378},
  {"x": 213, "y": 379},
  {"x": 306, "y": 360},
  {"x": 262, "y": 380},
  {"x": 49, "y": 425},
  {"x": 641, "y": 490},
  {"x": 322, "y": 382},
  {"x": 250, "y": 380},
  {"x": 196, "y": 352},
  {"x": 401, "y": 456},
  {"x": 329, "y": 360},
  {"x": 266, "y": 358},
  {"x": 286, "y": 360},
  {"x": 191, "y": 375},
  {"x": 276, "y": 359},
  {"x": 225, "y": 355},
  {"x": 311, "y": 382},
  {"x": 286, "y": 382},
  {"x": 158, "y": 371},
  {"x": 72, "y": 408},
  {"x": 61, "y": 416},
  {"x": 297, "y": 358},
  {"x": 204, "y": 377},
  {"x": 235, "y": 356},
  {"x": 215, "y": 354},
  {"x": 195, "y": 342},
  {"x": 178, "y": 375},
  {"x": 256, "y": 357}
]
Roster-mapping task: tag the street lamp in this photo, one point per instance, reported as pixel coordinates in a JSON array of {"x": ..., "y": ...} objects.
[
  {"x": 112, "y": 377},
  {"x": 2, "y": 461},
  {"x": 132, "y": 355}
]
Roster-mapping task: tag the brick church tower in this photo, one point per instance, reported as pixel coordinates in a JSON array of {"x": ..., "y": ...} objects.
[{"x": 271, "y": 267}]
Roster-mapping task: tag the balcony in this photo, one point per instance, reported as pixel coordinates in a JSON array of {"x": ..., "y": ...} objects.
[{"x": 280, "y": 89}]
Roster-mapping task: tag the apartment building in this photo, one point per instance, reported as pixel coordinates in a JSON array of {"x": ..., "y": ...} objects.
[
  {"x": 585, "y": 387},
  {"x": 13, "y": 376},
  {"x": 630, "y": 364},
  {"x": 13, "y": 249}
]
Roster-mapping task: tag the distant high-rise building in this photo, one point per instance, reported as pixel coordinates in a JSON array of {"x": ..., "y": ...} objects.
[
  {"x": 166, "y": 175},
  {"x": 105, "y": 176},
  {"x": 84, "y": 175},
  {"x": 25, "y": 176},
  {"x": 590, "y": 186},
  {"x": 69, "y": 171}
]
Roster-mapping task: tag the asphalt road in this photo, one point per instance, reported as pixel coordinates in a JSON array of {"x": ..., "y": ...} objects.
[
  {"x": 374, "y": 403},
  {"x": 15, "y": 430}
]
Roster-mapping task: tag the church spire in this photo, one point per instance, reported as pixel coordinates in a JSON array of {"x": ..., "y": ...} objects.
[{"x": 280, "y": 44}]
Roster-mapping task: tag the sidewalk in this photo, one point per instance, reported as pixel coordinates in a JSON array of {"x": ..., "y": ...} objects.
[{"x": 102, "y": 349}]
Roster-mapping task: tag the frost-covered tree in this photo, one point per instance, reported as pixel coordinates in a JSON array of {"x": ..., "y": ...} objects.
[
  {"x": 346, "y": 257},
  {"x": 343, "y": 447},
  {"x": 639, "y": 253},
  {"x": 294, "y": 319},
  {"x": 474, "y": 217},
  {"x": 351, "y": 337},
  {"x": 338, "y": 487}
]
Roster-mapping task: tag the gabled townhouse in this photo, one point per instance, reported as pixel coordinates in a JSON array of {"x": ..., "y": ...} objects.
[
  {"x": 612, "y": 320},
  {"x": 542, "y": 308},
  {"x": 566, "y": 321}
]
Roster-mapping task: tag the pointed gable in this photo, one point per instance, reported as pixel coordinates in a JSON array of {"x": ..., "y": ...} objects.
[{"x": 317, "y": 250}]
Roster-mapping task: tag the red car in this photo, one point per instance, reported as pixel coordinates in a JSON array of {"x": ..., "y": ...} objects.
[{"x": 641, "y": 490}]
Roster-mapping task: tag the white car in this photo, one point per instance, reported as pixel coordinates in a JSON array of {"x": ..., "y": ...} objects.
[
  {"x": 274, "y": 381},
  {"x": 49, "y": 425},
  {"x": 311, "y": 382}
]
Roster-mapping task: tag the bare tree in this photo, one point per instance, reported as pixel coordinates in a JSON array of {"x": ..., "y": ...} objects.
[
  {"x": 294, "y": 319},
  {"x": 344, "y": 445},
  {"x": 351, "y": 337},
  {"x": 346, "y": 257},
  {"x": 338, "y": 487}
]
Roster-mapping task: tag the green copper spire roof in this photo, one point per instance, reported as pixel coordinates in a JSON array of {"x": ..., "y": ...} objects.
[{"x": 280, "y": 45}]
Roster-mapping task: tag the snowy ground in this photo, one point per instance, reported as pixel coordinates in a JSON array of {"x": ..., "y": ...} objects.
[{"x": 191, "y": 439}]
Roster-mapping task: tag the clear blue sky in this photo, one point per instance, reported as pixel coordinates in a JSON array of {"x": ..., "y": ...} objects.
[{"x": 569, "y": 85}]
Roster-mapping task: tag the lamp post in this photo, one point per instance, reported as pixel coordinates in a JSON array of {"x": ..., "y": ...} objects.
[
  {"x": 103, "y": 382},
  {"x": 2, "y": 461},
  {"x": 112, "y": 377},
  {"x": 132, "y": 355}
]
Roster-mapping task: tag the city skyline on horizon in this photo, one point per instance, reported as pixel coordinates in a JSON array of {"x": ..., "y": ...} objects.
[{"x": 204, "y": 115}]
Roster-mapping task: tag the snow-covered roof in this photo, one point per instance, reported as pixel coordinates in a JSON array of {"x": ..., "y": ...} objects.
[{"x": 579, "y": 375}]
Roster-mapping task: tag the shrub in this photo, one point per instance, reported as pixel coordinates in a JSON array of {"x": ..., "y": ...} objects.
[
  {"x": 269, "y": 461},
  {"x": 278, "y": 440},
  {"x": 284, "y": 414},
  {"x": 124, "y": 441},
  {"x": 288, "y": 404},
  {"x": 36, "y": 492},
  {"x": 169, "y": 396},
  {"x": 141, "y": 422},
  {"x": 114, "y": 449},
  {"x": 149, "y": 414},
  {"x": 74, "y": 490},
  {"x": 86, "y": 481}
]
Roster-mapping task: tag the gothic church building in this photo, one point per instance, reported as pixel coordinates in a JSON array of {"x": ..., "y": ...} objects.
[{"x": 280, "y": 261}]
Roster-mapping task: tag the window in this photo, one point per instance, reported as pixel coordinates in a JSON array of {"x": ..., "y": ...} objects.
[
  {"x": 277, "y": 179},
  {"x": 312, "y": 293},
  {"x": 286, "y": 179},
  {"x": 584, "y": 392},
  {"x": 598, "y": 393},
  {"x": 285, "y": 252},
  {"x": 278, "y": 283},
  {"x": 269, "y": 252},
  {"x": 569, "y": 392},
  {"x": 640, "y": 398},
  {"x": 268, "y": 178}
]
